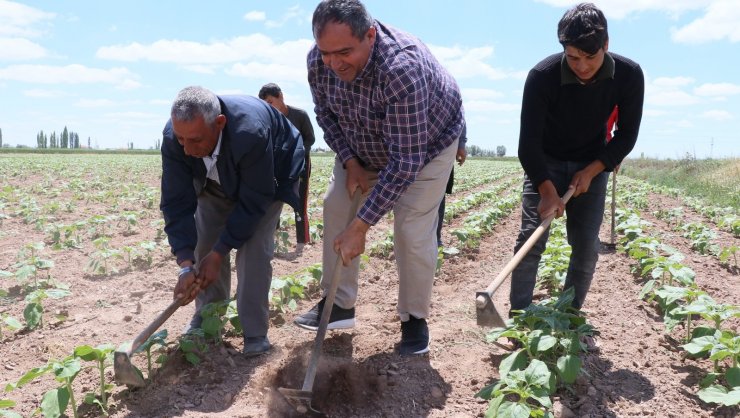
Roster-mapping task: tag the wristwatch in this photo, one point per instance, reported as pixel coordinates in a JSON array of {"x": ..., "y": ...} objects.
[{"x": 185, "y": 270}]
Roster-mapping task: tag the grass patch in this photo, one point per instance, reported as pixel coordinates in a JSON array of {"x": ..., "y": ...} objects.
[{"x": 715, "y": 180}]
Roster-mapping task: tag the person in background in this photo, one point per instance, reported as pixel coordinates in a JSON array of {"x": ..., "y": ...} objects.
[
  {"x": 568, "y": 99},
  {"x": 393, "y": 115},
  {"x": 460, "y": 157},
  {"x": 272, "y": 94},
  {"x": 228, "y": 164}
]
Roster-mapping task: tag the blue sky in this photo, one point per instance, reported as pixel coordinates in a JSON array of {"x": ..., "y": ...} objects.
[{"x": 109, "y": 70}]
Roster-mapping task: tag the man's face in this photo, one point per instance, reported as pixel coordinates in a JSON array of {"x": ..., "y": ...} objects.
[
  {"x": 342, "y": 52},
  {"x": 196, "y": 136},
  {"x": 584, "y": 65},
  {"x": 277, "y": 102}
]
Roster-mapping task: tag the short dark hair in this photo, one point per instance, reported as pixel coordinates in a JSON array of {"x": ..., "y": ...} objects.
[
  {"x": 269, "y": 89},
  {"x": 350, "y": 12},
  {"x": 583, "y": 27}
]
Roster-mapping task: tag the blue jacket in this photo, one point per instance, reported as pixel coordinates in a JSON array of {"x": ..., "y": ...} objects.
[{"x": 260, "y": 161}]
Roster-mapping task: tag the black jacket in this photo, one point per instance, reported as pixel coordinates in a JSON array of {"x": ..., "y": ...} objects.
[
  {"x": 567, "y": 121},
  {"x": 260, "y": 161}
]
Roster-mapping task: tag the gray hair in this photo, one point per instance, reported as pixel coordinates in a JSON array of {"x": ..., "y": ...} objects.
[
  {"x": 195, "y": 101},
  {"x": 350, "y": 12}
]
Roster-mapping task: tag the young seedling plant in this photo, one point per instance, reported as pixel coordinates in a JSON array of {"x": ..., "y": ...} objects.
[
  {"x": 158, "y": 338},
  {"x": 4, "y": 412},
  {"x": 102, "y": 355},
  {"x": 54, "y": 403}
]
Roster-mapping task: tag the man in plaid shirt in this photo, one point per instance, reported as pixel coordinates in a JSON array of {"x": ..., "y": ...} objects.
[{"x": 393, "y": 115}]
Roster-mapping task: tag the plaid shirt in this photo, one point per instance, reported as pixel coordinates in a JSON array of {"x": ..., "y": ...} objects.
[{"x": 401, "y": 111}]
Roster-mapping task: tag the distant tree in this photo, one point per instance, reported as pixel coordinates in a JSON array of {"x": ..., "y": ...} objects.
[
  {"x": 474, "y": 150},
  {"x": 53, "y": 140},
  {"x": 157, "y": 144},
  {"x": 40, "y": 140},
  {"x": 88, "y": 142},
  {"x": 1, "y": 138},
  {"x": 77, "y": 141},
  {"x": 64, "y": 139},
  {"x": 500, "y": 151}
]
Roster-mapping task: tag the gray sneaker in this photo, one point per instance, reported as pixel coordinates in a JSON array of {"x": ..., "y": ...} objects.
[
  {"x": 339, "y": 318},
  {"x": 255, "y": 346}
]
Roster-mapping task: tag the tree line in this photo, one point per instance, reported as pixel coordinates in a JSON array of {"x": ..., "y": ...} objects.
[{"x": 67, "y": 139}]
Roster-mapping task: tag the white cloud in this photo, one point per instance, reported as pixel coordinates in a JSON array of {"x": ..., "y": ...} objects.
[
  {"x": 255, "y": 16},
  {"x": 654, "y": 112},
  {"x": 619, "y": 9},
  {"x": 42, "y": 93},
  {"x": 258, "y": 70},
  {"x": 121, "y": 78},
  {"x": 717, "y": 89},
  {"x": 721, "y": 21},
  {"x": 489, "y": 106},
  {"x": 470, "y": 62},
  {"x": 93, "y": 103},
  {"x": 672, "y": 82},
  {"x": 240, "y": 49},
  {"x": 293, "y": 13},
  {"x": 717, "y": 115},
  {"x": 480, "y": 94},
  {"x": 17, "y": 19},
  {"x": 19, "y": 49},
  {"x": 668, "y": 91}
]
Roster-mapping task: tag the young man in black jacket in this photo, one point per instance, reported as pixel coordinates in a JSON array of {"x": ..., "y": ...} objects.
[
  {"x": 228, "y": 164},
  {"x": 567, "y": 100}
]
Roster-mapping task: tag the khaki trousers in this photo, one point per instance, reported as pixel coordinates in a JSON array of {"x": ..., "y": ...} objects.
[{"x": 415, "y": 219}]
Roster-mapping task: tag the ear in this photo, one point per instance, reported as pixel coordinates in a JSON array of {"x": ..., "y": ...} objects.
[
  {"x": 370, "y": 35},
  {"x": 220, "y": 121},
  {"x": 606, "y": 46}
]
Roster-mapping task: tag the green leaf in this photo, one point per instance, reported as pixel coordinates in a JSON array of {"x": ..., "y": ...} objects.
[
  {"x": 192, "y": 358},
  {"x": 514, "y": 361},
  {"x": 719, "y": 394},
  {"x": 542, "y": 396},
  {"x": 537, "y": 373},
  {"x": 9, "y": 414},
  {"x": 55, "y": 402},
  {"x": 486, "y": 392},
  {"x": 569, "y": 366},
  {"x": 28, "y": 377},
  {"x": 732, "y": 375},
  {"x": 493, "y": 406},
  {"x": 513, "y": 410},
  {"x": 67, "y": 369},
  {"x": 33, "y": 314},
  {"x": 545, "y": 343},
  {"x": 12, "y": 323},
  {"x": 7, "y": 403}
]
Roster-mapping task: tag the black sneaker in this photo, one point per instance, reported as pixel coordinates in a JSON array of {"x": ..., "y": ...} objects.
[
  {"x": 339, "y": 319},
  {"x": 255, "y": 346},
  {"x": 414, "y": 337}
]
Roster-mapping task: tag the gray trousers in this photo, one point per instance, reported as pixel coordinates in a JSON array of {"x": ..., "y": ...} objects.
[
  {"x": 414, "y": 235},
  {"x": 253, "y": 261},
  {"x": 583, "y": 220}
]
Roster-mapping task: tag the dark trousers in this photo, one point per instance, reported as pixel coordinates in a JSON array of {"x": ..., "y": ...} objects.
[
  {"x": 302, "y": 233},
  {"x": 253, "y": 261},
  {"x": 583, "y": 220}
]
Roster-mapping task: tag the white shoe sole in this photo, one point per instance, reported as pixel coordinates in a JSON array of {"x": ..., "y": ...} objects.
[{"x": 343, "y": 324}]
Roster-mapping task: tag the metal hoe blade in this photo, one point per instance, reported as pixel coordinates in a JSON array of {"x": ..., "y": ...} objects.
[
  {"x": 124, "y": 371},
  {"x": 300, "y": 400}
]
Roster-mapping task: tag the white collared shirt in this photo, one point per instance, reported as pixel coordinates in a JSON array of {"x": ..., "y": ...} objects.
[{"x": 210, "y": 162}]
